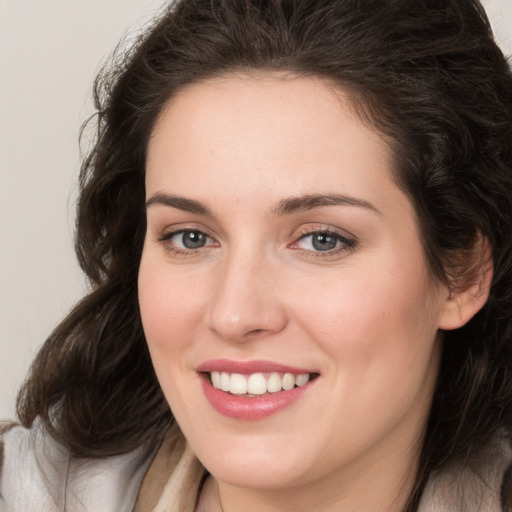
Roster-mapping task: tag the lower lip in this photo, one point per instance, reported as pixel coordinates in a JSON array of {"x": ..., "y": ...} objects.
[{"x": 254, "y": 408}]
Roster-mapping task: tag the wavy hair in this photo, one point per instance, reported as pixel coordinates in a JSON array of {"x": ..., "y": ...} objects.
[{"x": 427, "y": 75}]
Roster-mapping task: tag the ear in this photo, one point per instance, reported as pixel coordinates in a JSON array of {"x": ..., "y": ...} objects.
[{"x": 472, "y": 290}]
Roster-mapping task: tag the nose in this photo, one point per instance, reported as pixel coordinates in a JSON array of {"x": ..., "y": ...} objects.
[{"x": 246, "y": 303}]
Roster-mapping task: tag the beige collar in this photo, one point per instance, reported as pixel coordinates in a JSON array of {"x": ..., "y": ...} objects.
[{"x": 175, "y": 477}]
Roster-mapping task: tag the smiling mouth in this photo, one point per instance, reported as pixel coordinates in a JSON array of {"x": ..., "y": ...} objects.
[{"x": 258, "y": 384}]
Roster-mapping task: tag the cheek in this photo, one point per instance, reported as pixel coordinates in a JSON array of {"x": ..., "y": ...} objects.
[
  {"x": 384, "y": 318},
  {"x": 171, "y": 310},
  {"x": 379, "y": 332},
  {"x": 171, "y": 306}
]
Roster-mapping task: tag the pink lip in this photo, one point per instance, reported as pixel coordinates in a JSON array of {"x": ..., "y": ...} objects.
[
  {"x": 249, "y": 408},
  {"x": 248, "y": 367}
]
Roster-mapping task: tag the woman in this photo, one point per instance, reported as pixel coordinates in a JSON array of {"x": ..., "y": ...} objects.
[{"x": 296, "y": 221}]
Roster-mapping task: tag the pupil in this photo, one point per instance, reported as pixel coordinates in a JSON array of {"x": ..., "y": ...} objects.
[
  {"x": 193, "y": 239},
  {"x": 323, "y": 242}
]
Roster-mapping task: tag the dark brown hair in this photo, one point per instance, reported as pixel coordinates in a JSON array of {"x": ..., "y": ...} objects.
[{"x": 427, "y": 74}]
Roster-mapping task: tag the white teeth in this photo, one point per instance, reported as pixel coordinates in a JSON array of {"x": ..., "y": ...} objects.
[
  {"x": 216, "y": 380},
  {"x": 274, "y": 383},
  {"x": 256, "y": 383},
  {"x": 302, "y": 379},
  {"x": 238, "y": 384},
  {"x": 288, "y": 381},
  {"x": 225, "y": 379}
]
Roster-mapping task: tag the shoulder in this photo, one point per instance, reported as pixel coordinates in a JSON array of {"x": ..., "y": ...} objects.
[
  {"x": 33, "y": 468},
  {"x": 481, "y": 484},
  {"x": 37, "y": 471}
]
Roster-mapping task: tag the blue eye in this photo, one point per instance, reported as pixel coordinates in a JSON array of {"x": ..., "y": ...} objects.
[
  {"x": 323, "y": 241},
  {"x": 188, "y": 239}
]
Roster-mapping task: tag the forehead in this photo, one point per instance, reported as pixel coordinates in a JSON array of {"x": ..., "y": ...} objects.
[
  {"x": 257, "y": 115},
  {"x": 273, "y": 126},
  {"x": 259, "y": 101}
]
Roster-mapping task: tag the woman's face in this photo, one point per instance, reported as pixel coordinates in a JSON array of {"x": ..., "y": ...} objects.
[{"x": 278, "y": 243}]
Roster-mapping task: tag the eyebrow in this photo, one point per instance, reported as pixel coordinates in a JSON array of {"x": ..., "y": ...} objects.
[
  {"x": 285, "y": 207},
  {"x": 309, "y": 202},
  {"x": 181, "y": 203}
]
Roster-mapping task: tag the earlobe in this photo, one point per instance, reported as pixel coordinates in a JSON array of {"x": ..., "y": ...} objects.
[{"x": 469, "y": 297}]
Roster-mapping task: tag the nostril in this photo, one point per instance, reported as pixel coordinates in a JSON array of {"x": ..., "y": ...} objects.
[{"x": 255, "y": 332}]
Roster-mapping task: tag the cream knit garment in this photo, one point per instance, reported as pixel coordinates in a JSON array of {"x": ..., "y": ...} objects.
[
  {"x": 38, "y": 475},
  {"x": 476, "y": 487}
]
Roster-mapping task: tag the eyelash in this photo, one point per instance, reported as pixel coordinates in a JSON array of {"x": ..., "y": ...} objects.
[
  {"x": 179, "y": 251},
  {"x": 343, "y": 242}
]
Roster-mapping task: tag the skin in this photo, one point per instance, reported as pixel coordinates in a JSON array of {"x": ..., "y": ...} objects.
[{"x": 365, "y": 315}]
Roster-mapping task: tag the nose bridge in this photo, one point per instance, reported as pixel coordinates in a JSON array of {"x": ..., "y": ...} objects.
[{"x": 245, "y": 301}]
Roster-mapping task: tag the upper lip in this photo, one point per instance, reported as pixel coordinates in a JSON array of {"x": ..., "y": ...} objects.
[{"x": 249, "y": 367}]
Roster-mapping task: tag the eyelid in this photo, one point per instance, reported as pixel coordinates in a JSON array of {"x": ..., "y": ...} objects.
[
  {"x": 167, "y": 236},
  {"x": 349, "y": 241},
  {"x": 173, "y": 229},
  {"x": 174, "y": 250}
]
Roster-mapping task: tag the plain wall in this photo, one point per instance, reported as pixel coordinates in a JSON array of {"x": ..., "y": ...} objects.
[{"x": 50, "y": 51}]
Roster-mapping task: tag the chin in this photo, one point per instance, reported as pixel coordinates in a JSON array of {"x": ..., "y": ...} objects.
[
  {"x": 256, "y": 461},
  {"x": 253, "y": 471}
]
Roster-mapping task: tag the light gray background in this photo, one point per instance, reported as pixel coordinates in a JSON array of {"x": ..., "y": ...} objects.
[{"x": 50, "y": 51}]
